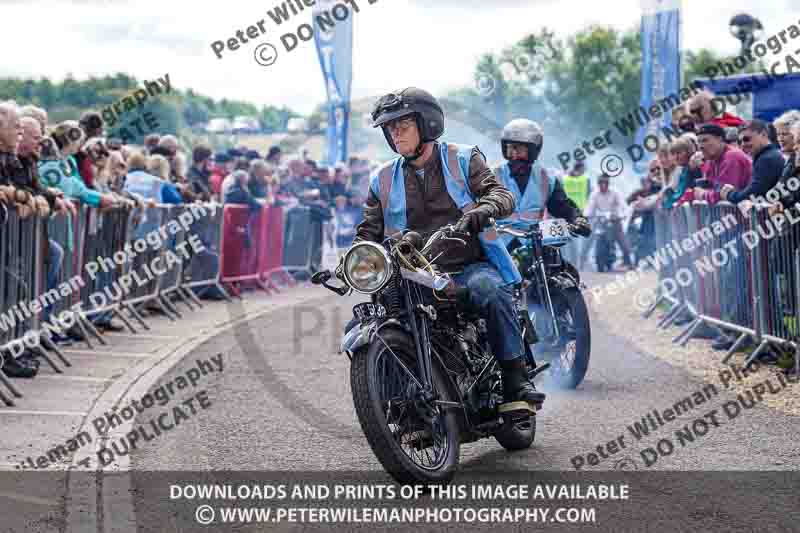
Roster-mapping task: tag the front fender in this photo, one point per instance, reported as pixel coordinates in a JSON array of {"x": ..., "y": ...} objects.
[
  {"x": 356, "y": 337},
  {"x": 361, "y": 335}
]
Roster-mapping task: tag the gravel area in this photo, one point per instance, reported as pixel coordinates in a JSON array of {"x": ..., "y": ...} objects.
[{"x": 620, "y": 309}]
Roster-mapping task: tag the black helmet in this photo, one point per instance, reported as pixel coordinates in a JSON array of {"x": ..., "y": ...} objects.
[{"x": 411, "y": 101}]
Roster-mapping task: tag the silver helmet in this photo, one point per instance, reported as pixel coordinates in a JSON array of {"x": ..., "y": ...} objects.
[{"x": 524, "y": 131}]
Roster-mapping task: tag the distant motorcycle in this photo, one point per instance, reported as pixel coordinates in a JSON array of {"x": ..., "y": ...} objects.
[
  {"x": 604, "y": 249},
  {"x": 634, "y": 235},
  {"x": 551, "y": 300}
]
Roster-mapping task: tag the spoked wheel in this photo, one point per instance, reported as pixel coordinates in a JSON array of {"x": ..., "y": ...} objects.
[
  {"x": 413, "y": 435},
  {"x": 569, "y": 358}
]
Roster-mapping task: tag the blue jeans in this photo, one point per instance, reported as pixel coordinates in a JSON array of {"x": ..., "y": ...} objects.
[
  {"x": 490, "y": 294},
  {"x": 54, "y": 260},
  {"x": 104, "y": 279}
]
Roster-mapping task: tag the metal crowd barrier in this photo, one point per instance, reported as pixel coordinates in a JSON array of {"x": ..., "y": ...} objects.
[
  {"x": 252, "y": 247},
  {"x": 204, "y": 268},
  {"x": 302, "y": 241},
  {"x": 118, "y": 260},
  {"x": 738, "y": 274},
  {"x": 171, "y": 282},
  {"x": 22, "y": 271},
  {"x": 667, "y": 271}
]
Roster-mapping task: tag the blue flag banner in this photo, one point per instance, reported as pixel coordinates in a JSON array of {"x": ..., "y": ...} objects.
[
  {"x": 333, "y": 34},
  {"x": 661, "y": 61}
]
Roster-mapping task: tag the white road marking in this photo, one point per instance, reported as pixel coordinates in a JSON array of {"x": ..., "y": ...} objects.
[
  {"x": 86, "y": 353},
  {"x": 140, "y": 336},
  {"x": 28, "y": 499},
  {"x": 73, "y": 378},
  {"x": 49, "y": 413}
]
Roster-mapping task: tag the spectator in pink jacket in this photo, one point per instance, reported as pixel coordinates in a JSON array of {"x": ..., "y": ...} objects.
[{"x": 725, "y": 165}]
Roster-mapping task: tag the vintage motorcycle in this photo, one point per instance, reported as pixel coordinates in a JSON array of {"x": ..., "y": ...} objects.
[
  {"x": 552, "y": 297},
  {"x": 423, "y": 378}
]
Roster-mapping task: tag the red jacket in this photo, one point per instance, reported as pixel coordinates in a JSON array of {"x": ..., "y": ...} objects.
[
  {"x": 86, "y": 171},
  {"x": 216, "y": 182},
  {"x": 733, "y": 167}
]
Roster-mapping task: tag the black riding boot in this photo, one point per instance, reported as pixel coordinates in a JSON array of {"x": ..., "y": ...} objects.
[{"x": 519, "y": 394}]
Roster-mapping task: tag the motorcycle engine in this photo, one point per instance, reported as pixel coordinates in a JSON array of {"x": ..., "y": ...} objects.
[{"x": 461, "y": 352}]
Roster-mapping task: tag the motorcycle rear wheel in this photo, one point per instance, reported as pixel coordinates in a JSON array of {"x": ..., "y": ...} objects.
[{"x": 412, "y": 447}]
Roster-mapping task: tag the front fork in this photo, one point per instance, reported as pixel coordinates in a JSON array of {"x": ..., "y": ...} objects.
[{"x": 539, "y": 278}]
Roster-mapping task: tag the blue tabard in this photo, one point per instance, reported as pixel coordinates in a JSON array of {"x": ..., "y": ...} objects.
[{"x": 388, "y": 184}]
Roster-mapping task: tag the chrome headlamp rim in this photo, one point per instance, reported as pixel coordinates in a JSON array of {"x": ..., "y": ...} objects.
[{"x": 386, "y": 257}]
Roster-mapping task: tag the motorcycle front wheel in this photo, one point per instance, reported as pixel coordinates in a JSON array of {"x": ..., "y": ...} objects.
[{"x": 416, "y": 442}]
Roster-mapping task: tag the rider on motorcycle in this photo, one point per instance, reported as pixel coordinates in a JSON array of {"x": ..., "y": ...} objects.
[
  {"x": 533, "y": 188},
  {"x": 433, "y": 184}
]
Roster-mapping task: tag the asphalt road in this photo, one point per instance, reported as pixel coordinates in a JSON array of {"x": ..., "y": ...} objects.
[{"x": 283, "y": 403}]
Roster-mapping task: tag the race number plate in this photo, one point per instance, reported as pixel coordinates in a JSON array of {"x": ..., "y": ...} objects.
[
  {"x": 555, "y": 231},
  {"x": 369, "y": 310}
]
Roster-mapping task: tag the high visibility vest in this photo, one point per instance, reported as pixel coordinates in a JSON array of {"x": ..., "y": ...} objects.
[
  {"x": 389, "y": 185},
  {"x": 532, "y": 202},
  {"x": 577, "y": 190}
]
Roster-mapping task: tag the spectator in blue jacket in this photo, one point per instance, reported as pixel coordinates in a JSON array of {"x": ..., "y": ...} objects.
[{"x": 149, "y": 187}]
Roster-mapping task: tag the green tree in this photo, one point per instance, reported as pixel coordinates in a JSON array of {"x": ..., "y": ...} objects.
[
  {"x": 699, "y": 64},
  {"x": 595, "y": 81},
  {"x": 177, "y": 112}
]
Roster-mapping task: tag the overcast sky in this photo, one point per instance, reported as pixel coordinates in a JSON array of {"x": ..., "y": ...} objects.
[{"x": 396, "y": 43}]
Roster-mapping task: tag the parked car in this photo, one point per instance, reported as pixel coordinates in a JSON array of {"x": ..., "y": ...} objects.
[
  {"x": 219, "y": 125},
  {"x": 246, "y": 125},
  {"x": 297, "y": 125}
]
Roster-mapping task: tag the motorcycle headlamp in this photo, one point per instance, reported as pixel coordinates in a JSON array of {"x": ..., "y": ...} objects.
[{"x": 367, "y": 267}]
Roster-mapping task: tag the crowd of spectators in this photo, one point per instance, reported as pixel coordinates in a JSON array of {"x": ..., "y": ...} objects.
[
  {"x": 48, "y": 168},
  {"x": 720, "y": 157}
]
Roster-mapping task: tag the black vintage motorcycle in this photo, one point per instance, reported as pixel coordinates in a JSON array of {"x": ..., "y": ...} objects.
[
  {"x": 423, "y": 377},
  {"x": 552, "y": 297}
]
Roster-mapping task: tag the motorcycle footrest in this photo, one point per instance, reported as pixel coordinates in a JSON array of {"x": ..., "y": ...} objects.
[{"x": 538, "y": 370}]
